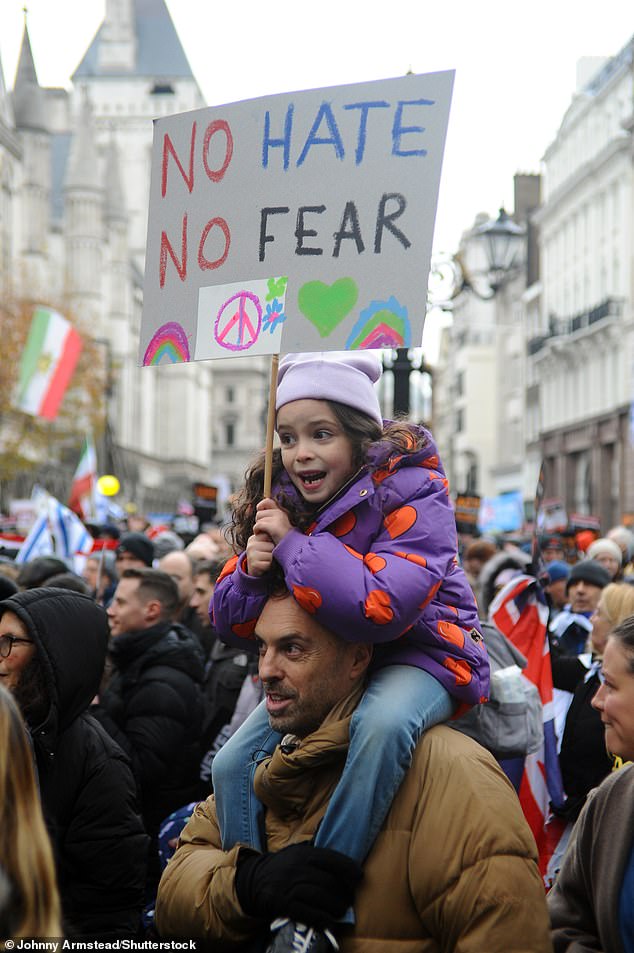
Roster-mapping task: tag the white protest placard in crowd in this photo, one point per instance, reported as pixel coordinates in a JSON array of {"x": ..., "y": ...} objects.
[{"x": 297, "y": 222}]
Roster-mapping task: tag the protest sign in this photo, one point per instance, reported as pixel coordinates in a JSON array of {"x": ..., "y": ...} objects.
[
  {"x": 501, "y": 514},
  {"x": 297, "y": 222}
]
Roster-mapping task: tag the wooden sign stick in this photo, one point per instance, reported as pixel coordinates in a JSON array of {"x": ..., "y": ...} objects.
[{"x": 270, "y": 427}]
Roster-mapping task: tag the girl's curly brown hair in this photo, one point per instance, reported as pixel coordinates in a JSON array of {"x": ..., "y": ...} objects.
[{"x": 363, "y": 432}]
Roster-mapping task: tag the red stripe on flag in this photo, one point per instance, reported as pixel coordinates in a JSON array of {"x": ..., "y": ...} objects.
[
  {"x": 80, "y": 488},
  {"x": 63, "y": 374}
]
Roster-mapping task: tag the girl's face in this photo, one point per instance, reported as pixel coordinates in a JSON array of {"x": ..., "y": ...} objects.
[
  {"x": 615, "y": 700},
  {"x": 316, "y": 452},
  {"x": 21, "y": 653}
]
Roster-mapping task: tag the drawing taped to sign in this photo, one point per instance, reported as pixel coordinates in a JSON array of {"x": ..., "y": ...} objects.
[
  {"x": 334, "y": 188},
  {"x": 169, "y": 345},
  {"x": 326, "y": 306},
  {"x": 243, "y": 317},
  {"x": 381, "y": 324}
]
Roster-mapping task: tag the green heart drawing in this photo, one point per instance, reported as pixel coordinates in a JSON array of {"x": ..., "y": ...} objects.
[{"x": 326, "y": 306}]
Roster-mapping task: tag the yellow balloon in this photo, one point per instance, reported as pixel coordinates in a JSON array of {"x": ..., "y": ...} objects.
[{"x": 108, "y": 485}]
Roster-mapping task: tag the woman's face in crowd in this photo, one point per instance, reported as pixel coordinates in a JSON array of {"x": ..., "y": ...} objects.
[
  {"x": 21, "y": 653},
  {"x": 609, "y": 562},
  {"x": 601, "y": 626},
  {"x": 615, "y": 700}
]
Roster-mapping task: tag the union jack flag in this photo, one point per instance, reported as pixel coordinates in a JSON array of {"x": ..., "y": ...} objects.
[{"x": 520, "y": 611}]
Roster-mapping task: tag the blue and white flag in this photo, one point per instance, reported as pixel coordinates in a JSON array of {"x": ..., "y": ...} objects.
[
  {"x": 72, "y": 540},
  {"x": 38, "y": 542}
]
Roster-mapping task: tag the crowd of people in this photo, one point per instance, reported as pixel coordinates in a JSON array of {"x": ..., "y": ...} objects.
[{"x": 247, "y": 740}]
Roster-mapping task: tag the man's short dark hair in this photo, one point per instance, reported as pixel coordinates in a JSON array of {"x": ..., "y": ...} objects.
[
  {"x": 156, "y": 584},
  {"x": 34, "y": 574},
  {"x": 208, "y": 567},
  {"x": 68, "y": 580}
]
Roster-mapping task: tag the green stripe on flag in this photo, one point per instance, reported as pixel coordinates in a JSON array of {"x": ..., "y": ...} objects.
[{"x": 33, "y": 348}]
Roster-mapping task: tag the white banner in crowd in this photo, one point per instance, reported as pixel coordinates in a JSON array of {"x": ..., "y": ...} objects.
[{"x": 297, "y": 222}]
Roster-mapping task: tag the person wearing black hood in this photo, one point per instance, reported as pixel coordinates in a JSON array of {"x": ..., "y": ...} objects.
[
  {"x": 153, "y": 703},
  {"x": 52, "y": 652}
]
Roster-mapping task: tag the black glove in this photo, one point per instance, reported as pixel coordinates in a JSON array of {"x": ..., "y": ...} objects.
[{"x": 312, "y": 885}]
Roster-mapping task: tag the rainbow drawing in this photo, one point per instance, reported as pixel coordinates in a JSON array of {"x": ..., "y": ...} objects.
[
  {"x": 168, "y": 345},
  {"x": 382, "y": 324}
]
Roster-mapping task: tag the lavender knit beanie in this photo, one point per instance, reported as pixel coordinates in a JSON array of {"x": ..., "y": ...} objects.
[{"x": 344, "y": 376}]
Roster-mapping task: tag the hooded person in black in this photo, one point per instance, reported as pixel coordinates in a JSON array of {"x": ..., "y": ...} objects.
[{"x": 57, "y": 646}]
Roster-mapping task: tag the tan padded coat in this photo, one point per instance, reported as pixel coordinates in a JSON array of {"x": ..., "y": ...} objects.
[{"x": 453, "y": 869}]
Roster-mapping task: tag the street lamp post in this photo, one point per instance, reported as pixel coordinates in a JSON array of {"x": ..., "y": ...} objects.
[{"x": 502, "y": 241}]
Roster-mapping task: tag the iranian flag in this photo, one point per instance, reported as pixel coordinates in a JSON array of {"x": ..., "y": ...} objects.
[
  {"x": 47, "y": 363},
  {"x": 82, "y": 492}
]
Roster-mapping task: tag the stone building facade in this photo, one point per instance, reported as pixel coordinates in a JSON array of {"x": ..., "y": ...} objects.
[{"x": 74, "y": 186}]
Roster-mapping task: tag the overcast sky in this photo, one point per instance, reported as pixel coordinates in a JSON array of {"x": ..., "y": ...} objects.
[{"x": 515, "y": 66}]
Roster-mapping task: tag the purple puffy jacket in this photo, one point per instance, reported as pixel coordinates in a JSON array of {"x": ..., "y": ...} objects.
[{"x": 378, "y": 565}]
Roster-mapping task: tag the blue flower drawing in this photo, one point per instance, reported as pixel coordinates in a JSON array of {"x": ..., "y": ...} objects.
[{"x": 274, "y": 315}]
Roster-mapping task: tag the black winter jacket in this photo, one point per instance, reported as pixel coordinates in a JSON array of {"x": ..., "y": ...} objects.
[
  {"x": 583, "y": 758},
  {"x": 88, "y": 791},
  {"x": 153, "y": 708}
]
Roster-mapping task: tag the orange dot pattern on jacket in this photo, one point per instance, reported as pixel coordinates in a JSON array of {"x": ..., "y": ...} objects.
[
  {"x": 460, "y": 668},
  {"x": 443, "y": 480},
  {"x": 244, "y": 630},
  {"x": 413, "y": 558},
  {"x": 381, "y": 473},
  {"x": 400, "y": 521},
  {"x": 430, "y": 595},
  {"x": 374, "y": 562},
  {"x": 345, "y": 524},
  {"x": 452, "y": 633},
  {"x": 378, "y": 607},
  {"x": 308, "y": 598},
  {"x": 228, "y": 568}
]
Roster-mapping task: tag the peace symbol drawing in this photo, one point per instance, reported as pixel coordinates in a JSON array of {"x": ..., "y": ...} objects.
[
  {"x": 237, "y": 326},
  {"x": 241, "y": 318}
]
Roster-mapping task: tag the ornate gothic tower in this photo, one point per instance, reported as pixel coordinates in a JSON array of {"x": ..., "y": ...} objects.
[
  {"x": 10, "y": 156},
  {"x": 35, "y": 188},
  {"x": 83, "y": 220}
]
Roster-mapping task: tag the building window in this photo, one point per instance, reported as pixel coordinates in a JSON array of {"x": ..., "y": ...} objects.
[
  {"x": 230, "y": 395},
  {"x": 583, "y": 489},
  {"x": 230, "y": 434},
  {"x": 162, "y": 89},
  {"x": 460, "y": 384},
  {"x": 459, "y": 420}
]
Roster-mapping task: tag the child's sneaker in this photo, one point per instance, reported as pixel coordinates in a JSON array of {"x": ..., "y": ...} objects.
[{"x": 293, "y": 937}]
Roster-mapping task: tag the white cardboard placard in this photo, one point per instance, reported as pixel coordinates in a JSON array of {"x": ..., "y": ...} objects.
[{"x": 297, "y": 222}]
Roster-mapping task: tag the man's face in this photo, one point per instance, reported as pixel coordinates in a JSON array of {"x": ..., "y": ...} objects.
[
  {"x": 91, "y": 572},
  {"x": 305, "y": 670},
  {"x": 126, "y": 560},
  {"x": 557, "y": 592},
  {"x": 126, "y": 612},
  {"x": 472, "y": 566},
  {"x": 584, "y": 596},
  {"x": 178, "y": 566},
  {"x": 201, "y": 596}
]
